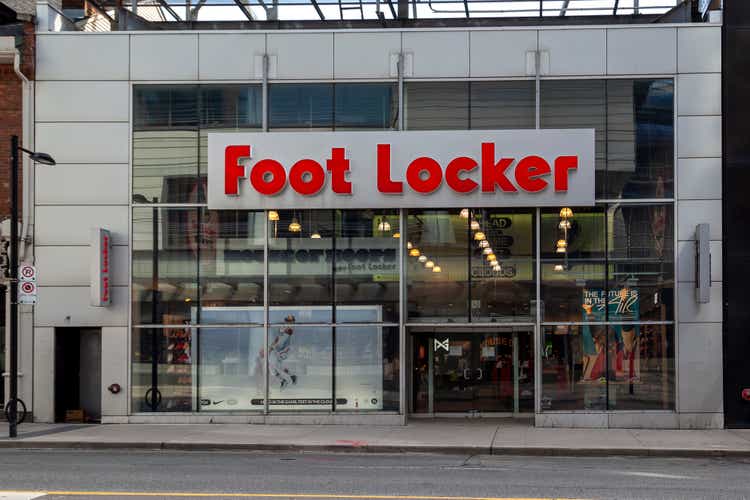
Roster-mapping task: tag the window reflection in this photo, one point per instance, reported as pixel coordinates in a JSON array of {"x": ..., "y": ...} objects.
[{"x": 438, "y": 248}]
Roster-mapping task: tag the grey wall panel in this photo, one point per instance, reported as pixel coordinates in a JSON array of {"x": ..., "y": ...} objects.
[
  {"x": 82, "y": 56},
  {"x": 84, "y": 142},
  {"x": 164, "y": 57},
  {"x": 575, "y": 51},
  {"x": 641, "y": 51},
  {"x": 68, "y": 184},
  {"x": 365, "y": 55},
  {"x": 700, "y": 368},
  {"x": 69, "y": 306},
  {"x": 115, "y": 370},
  {"x": 692, "y": 312},
  {"x": 699, "y": 178},
  {"x": 438, "y": 54},
  {"x": 300, "y": 55},
  {"x": 686, "y": 261},
  {"x": 82, "y": 101},
  {"x": 229, "y": 56},
  {"x": 70, "y": 266},
  {"x": 699, "y": 94},
  {"x": 692, "y": 212},
  {"x": 70, "y": 225},
  {"x": 699, "y": 49},
  {"x": 500, "y": 53},
  {"x": 44, "y": 375},
  {"x": 698, "y": 136}
]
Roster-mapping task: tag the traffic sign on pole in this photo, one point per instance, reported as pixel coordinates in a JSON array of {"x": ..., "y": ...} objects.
[{"x": 26, "y": 284}]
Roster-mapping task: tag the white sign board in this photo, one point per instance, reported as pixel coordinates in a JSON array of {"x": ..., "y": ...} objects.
[
  {"x": 438, "y": 169},
  {"x": 101, "y": 263},
  {"x": 27, "y": 290}
]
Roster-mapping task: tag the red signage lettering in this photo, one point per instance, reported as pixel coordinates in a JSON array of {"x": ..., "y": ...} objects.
[{"x": 424, "y": 175}]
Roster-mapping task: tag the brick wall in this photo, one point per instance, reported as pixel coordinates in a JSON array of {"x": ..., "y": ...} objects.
[{"x": 11, "y": 112}]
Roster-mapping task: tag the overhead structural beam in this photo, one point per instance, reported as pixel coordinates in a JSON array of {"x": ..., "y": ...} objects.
[
  {"x": 169, "y": 9},
  {"x": 564, "y": 8},
  {"x": 317, "y": 9},
  {"x": 466, "y": 8},
  {"x": 614, "y": 12},
  {"x": 194, "y": 12},
  {"x": 393, "y": 9},
  {"x": 99, "y": 10},
  {"x": 403, "y": 9},
  {"x": 244, "y": 9}
]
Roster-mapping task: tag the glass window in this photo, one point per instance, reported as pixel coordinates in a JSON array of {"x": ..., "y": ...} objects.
[
  {"x": 301, "y": 263},
  {"x": 641, "y": 262},
  {"x": 578, "y": 104},
  {"x": 367, "y": 368},
  {"x": 231, "y": 106},
  {"x": 366, "y": 106},
  {"x": 573, "y": 253},
  {"x": 503, "y": 105},
  {"x": 231, "y": 262},
  {"x": 300, "y": 106},
  {"x": 502, "y": 265},
  {"x": 574, "y": 368},
  {"x": 640, "y": 139},
  {"x": 438, "y": 249},
  {"x": 436, "y": 105},
  {"x": 165, "y": 167},
  {"x": 172, "y": 352},
  {"x": 642, "y": 373},
  {"x": 367, "y": 266},
  {"x": 300, "y": 369},
  {"x": 231, "y": 368},
  {"x": 634, "y": 123},
  {"x": 615, "y": 367},
  {"x": 166, "y": 244},
  {"x": 165, "y": 107}
]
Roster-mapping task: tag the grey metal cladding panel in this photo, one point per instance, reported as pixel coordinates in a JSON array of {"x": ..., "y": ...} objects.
[
  {"x": 82, "y": 101},
  {"x": 575, "y": 51},
  {"x": 300, "y": 55},
  {"x": 500, "y": 53},
  {"x": 699, "y": 49},
  {"x": 164, "y": 57},
  {"x": 230, "y": 56},
  {"x": 641, "y": 51},
  {"x": 438, "y": 54},
  {"x": 365, "y": 55},
  {"x": 82, "y": 56}
]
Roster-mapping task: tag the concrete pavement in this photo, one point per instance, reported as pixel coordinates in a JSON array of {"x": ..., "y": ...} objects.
[{"x": 474, "y": 436}]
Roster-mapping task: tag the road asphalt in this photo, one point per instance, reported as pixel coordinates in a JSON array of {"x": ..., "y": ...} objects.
[{"x": 127, "y": 474}]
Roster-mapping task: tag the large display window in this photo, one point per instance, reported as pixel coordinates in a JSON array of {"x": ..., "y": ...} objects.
[{"x": 307, "y": 310}]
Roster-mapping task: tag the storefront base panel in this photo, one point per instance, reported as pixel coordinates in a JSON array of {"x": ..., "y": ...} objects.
[
  {"x": 631, "y": 420},
  {"x": 279, "y": 419}
]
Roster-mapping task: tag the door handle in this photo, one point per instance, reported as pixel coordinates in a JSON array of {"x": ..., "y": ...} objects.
[
  {"x": 466, "y": 374},
  {"x": 481, "y": 374}
]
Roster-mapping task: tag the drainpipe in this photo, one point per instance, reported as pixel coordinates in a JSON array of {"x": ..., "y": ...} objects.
[{"x": 28, "y": 192}]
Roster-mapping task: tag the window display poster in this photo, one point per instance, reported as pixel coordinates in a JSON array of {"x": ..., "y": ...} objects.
[
  {"x": 622, "y": 304},
  {"x": 300, "y": 364}
]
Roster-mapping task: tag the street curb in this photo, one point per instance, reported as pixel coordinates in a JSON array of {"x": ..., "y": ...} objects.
[{"x": 390, "y": 449}]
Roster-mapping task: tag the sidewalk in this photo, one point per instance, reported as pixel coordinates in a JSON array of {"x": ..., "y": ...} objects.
[{"x": 485, "y": 436}]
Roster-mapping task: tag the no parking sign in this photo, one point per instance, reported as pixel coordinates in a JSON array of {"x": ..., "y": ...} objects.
[{"x": 26, "y": 284}]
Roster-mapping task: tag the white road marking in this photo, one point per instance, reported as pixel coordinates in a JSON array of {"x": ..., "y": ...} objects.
[
  {"x": 653, "y": 474},
  {"x": 21, "y": 495}
]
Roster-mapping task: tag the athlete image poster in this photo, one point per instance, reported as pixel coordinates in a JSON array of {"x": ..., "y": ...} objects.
[{"x": 299, "y": 356}]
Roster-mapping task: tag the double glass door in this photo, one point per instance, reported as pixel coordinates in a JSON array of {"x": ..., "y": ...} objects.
[{"x": 473, "y": 372}]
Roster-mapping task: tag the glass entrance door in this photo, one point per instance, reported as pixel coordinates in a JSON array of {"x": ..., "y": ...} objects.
[{"x": 473, "y": 372}]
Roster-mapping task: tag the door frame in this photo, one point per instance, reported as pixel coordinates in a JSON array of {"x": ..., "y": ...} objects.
[{"x": 431, "y": 329}]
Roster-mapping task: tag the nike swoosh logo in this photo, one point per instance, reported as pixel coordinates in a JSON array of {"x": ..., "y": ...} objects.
[{"x": 217, "y": 402}]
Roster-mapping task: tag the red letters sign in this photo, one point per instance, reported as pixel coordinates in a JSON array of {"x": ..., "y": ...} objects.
[{"x": 379, "y": 169}]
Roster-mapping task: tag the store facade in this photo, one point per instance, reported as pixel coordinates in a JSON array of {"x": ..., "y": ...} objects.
[{"x": 343, "y": 226}]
